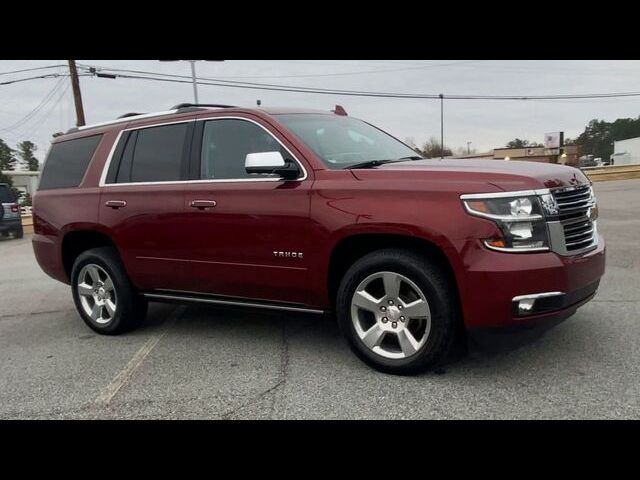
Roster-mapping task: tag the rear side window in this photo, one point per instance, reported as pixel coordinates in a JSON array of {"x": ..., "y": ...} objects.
[
  {"x": 151, "y": 154},
  {"x": 67, "y": 162}
]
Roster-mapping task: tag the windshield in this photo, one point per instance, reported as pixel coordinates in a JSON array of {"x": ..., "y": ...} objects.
[{"x": 343, "y": 141}]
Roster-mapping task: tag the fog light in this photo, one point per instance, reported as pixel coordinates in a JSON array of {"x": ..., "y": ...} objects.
[{"x": 526, "y": 305}]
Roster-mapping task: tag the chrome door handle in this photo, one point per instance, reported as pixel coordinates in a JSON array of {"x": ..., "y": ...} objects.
[
  {"x": 115, "y": 204},
  {"x": 203, "y": 204}
]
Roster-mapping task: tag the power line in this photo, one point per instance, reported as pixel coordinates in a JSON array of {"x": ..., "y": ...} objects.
[
  {"x": 310, "y": 75},
  {"x": 36, "y": 109},
  {"x": 47, "y": 114},
  {"x": 32, "y": 69},
  {"x": 324, "y": 91},
  {"x": 49, "y": 75}
]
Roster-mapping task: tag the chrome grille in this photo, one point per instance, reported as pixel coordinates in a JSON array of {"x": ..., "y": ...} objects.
[{"x": 574, "y": 213}]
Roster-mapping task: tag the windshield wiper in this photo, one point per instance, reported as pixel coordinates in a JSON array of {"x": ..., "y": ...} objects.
[{"x": 375, "y": 163}]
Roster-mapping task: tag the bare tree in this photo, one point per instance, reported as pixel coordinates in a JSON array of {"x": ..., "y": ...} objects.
[{"x": 432, "y": 149}]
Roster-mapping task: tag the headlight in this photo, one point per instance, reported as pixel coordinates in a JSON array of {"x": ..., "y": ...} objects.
[{"x": 520, "y": 219}]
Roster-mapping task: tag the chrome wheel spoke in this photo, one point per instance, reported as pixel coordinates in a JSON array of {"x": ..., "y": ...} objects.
[
  {"x": 96, "y": 312},
  {"x": 108, "y": 284},
  {"x": 85, "y": 290},
  {"x": 391, "y": 284},
  {"x": 93, "y": 273},
  {"x": 366, "y": 301},
  {"x": 111, "y": 307},
  {"x": 408, "y": 344},
  {"x": 417, "y": 309},
  {"x": 373, "y": 336}
]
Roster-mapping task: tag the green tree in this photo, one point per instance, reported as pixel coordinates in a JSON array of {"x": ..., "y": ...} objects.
[
  {"x": 599, "y": 135},
  {"x": 27, "y": 200},
  {"x": 432, "y": 149},
  {"x": 7, "y": 157},
  {"x": 521, "y": 143},
  {"x": 25, "y": 151}
]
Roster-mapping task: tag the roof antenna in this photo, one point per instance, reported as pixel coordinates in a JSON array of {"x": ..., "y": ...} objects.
[{"x": 340, "y": 111}]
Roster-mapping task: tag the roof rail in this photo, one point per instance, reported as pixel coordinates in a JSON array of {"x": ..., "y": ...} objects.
[
  {"x": 188, "y": 105},
  {"x": 180, "y": 108},
  {"x": 131, "y": 114},
  {"x": 122, "y": 119}
]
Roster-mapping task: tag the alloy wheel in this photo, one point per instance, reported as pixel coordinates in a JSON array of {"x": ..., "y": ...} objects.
[
  {"x": 97, "y": 293},
  {"x": 391, "y": 315}
]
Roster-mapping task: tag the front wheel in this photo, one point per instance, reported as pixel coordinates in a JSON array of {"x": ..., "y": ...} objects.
[
  {"x": 398, "y": 311},
  {"x": 104, "y": 297}
]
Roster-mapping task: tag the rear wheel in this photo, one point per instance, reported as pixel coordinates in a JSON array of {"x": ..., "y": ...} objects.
[
  {"x": 19, "y": 233},
  {"x": 104, "y": 297},
  {"x": 398, "y": 311}
]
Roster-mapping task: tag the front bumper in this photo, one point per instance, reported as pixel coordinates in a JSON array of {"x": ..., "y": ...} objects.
[{"x": 498, "y": 287}]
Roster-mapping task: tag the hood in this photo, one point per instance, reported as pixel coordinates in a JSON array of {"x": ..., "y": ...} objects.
[{"x": 507, "y": 175}]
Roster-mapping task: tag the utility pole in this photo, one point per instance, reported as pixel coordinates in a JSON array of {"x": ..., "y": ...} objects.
[
  {"x": 441, "y": 126},
  {"x": 77, "y": 97},
  {"x": 193, "y": 79}
]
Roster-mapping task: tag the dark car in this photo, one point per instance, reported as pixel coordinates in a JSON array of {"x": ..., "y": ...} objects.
[
  {"x": 311, "y": 211},
  {"x": 10, "y": 220}
]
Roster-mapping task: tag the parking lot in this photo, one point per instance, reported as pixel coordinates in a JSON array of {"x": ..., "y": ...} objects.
[{"x": 204, "y": 362}]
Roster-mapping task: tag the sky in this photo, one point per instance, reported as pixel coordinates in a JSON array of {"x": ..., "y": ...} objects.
[{"x": 487, "y": 124}]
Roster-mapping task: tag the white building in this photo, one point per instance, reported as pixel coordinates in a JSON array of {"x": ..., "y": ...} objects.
[
  {"x": 626, "y": 152},
  {"x": 24, "y": 180}
]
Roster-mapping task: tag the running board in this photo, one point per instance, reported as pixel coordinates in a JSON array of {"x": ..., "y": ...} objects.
[{"x": 229, "y": 303}]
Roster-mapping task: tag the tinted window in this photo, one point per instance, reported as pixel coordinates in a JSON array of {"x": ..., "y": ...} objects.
[
  {"x": 157, "y": 156},
  {"x": 342, "y": 141},
  {"x": 67, "y": 162},
  {"x": 123, "y": 173},
  {"x": 6, "y": 195},
  {"x": 226, "y": 143}
]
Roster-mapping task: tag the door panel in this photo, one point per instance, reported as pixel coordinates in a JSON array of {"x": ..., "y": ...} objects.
[
  {"x": 231, "y": 246},
  {"x": 148, "y": 232},
  {"x": 142, "y": 204}
]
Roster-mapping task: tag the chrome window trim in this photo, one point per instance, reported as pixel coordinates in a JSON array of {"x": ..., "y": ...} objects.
[{"x": 107, "y": 164}]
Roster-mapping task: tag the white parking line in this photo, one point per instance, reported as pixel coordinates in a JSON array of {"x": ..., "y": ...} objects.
[{"x": 120, "y": 380}]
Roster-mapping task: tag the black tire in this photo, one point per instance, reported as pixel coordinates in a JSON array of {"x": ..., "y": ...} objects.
[
  {"x": 18, "y": 233},
  {"x": 131, "y": 307},
  {"x": 438, "y": 291}
]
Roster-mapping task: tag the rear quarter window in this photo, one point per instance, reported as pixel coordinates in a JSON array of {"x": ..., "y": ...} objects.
[{"x": 67, "y": 162}]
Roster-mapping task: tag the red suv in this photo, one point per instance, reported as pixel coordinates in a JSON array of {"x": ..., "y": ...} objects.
[{"x": 309, "y": 211}]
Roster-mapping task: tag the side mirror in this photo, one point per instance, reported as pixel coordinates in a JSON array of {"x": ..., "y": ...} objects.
[{"x": 271, "y": 163}]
